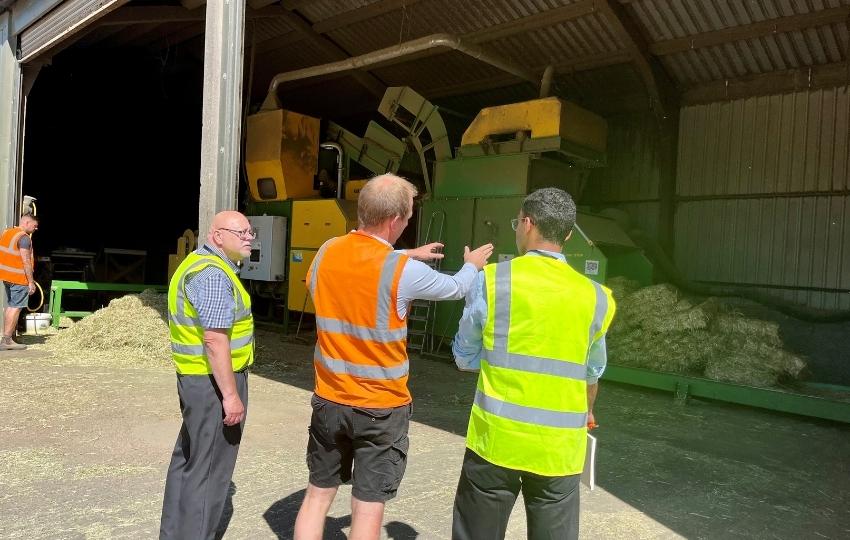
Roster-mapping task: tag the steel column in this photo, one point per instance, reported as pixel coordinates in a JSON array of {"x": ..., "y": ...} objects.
[
  {"x": 222, "y": 126},
  {"x": 10, "y": 125}
]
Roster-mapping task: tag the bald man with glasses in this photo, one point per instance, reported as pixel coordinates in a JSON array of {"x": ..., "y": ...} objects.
[{"x": 212, "y": 346}]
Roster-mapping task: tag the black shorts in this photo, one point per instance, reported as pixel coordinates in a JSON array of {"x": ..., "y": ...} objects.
[{"x": 372, "y": 442}]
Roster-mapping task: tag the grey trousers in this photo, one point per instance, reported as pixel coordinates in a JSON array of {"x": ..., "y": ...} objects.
[
  {"x": 203, "y": 460},
  {"x": 486, "y": 494}
]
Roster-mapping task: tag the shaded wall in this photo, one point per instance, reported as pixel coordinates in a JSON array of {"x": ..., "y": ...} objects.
[{"x": 764, "y": 196}]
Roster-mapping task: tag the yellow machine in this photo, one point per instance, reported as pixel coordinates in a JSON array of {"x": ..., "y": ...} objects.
[
  {"x": 282, "y": 162},
  {"x": 281, "y": 155},
  {"x": 313, "y": 222},
  {"x": 290, "y": 170}
]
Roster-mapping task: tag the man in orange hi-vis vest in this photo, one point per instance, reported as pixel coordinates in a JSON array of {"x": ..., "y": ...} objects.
[
  {"x": 362, "y": 290},
  {"x": 16, "y": 265}
]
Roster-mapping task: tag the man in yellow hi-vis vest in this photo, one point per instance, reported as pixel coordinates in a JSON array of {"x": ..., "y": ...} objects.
[
  {"x": 536, "y": 330},
  {"x": 212, "y": 346}
]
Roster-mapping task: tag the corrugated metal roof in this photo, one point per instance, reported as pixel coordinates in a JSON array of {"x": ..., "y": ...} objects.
[
  {"x": 663, "y": 20},
  {"x": 576, "y": 32}
]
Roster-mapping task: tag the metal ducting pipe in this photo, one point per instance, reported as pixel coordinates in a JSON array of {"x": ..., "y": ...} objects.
[
  {"x": 340, "y": 190},
  {"x": 407, "y": 48},
  {"x": 546, "y": 82}
]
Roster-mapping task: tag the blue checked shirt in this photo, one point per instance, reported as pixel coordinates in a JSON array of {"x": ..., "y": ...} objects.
[{"x": 210, "y": 292}]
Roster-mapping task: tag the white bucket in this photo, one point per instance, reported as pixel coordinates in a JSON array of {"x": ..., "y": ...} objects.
[{"x": 36, "y": 322}]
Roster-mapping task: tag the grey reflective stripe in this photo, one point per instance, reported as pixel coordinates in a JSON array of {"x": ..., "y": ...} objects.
[
  {"x": 182, "y": 348},
  {"x": 530, "y": 415},
  {"x": 599, "y": 312},
  {"x": 314, "y": 276},
  {"x": 385, "y": 289},
  {"x": 337, "y": 326},
  {"x": 534, "y": 364},
  {"x": 241, "y": 342},
  {"x": 502, "y": 313},
  {"x": 343, "y": 367},
  {"x": 10, "y": 250},
  {"x": 198, "y": 350},
  {"x": 12, "y": 270},
  {"x": 182, "y": 320},
  {"x": 242, "y": 314}
]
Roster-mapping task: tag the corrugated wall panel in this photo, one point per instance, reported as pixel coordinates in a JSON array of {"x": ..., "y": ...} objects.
[
  {"x": 633, "y": 169},
  {"x": 796, "y": 242},
  {"x": 789, "y": 143},
  {"x": 764, "y": 195}
]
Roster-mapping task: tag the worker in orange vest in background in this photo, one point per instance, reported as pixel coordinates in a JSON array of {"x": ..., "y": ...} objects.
[
  {"x": 362, "y": 290},
  {"x": 16, "y": 267}
]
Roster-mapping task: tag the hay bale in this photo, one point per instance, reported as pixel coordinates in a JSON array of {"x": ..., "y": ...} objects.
[
  {"x": 672, "y": 352},
  {"x": 736, "y": 324},
  {"x": 657, "y": 328},
  {"x": 131, "y": 329}
]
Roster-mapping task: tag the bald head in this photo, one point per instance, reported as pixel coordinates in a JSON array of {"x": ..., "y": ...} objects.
[
  {"x": 229, "y": 232},
  {"x": 228, "y": 219}
]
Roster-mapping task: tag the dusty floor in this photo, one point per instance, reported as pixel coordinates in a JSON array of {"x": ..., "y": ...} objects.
[{"x": 84, "y": 449}]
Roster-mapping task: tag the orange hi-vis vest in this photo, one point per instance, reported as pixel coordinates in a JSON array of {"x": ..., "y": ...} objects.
[
  {"x": 361, "y": 352},
  {"x": 11, "y": 263}
]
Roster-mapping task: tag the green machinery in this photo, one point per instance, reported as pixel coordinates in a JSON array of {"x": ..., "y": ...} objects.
[
  {"x": 315, "y": 185},
  {"x": 469, "y": 199},
  {"x": 506, "y": 153}
]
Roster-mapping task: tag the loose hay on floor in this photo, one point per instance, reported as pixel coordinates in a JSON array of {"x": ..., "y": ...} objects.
[{"x": 131, "y": 330}]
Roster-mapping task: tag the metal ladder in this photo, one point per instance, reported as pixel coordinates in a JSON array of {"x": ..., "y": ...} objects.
[{"x": 420, "y": 319}]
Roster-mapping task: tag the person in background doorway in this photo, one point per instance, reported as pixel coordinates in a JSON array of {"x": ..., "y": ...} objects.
[
  {"x": 536, "y": 330},
  {"x": 16, "y": 266},
  {"x": 212, "y": 346},
  {"x": 362, "y": 290}
]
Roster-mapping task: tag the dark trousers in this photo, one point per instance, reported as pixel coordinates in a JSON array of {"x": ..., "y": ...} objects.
[
  {"x": 203, "y": 460},
  {"x": 486, "y": 494}
]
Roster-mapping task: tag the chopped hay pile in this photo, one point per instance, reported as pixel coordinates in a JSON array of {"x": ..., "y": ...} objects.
[
  {"x": 131, "y": 330},
  {"x": 658, "y": 328}
]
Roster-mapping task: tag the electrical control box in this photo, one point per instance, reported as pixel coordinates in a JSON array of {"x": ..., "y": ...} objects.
[{"x": 267, "y": 261}]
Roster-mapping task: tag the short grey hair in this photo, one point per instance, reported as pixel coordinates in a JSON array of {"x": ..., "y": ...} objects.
[
  {"x": 553, "y": 211},
  {"x": 384, "y": 197}
]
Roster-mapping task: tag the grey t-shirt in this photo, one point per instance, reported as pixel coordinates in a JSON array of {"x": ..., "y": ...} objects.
[{"x": 25, "y": 242}]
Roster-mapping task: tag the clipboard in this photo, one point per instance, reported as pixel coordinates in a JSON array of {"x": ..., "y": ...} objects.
[{"x": 588, "y": 475}]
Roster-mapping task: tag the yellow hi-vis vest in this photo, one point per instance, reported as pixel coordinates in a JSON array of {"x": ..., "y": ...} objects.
[
  {"x": 530, "y": 408},
  {"x": 187, "y": 334}
]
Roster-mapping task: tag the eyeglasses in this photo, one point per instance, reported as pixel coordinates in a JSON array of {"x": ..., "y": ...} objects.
[
  {"x": 515, "y": 222},
  {"x": 249, "y": 234}
]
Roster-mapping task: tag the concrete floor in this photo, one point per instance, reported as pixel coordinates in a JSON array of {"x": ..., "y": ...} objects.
[{"x": 84, "y": 449}]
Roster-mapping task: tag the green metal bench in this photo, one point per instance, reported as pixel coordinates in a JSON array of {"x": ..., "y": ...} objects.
[{"x": 58, "y": 286}]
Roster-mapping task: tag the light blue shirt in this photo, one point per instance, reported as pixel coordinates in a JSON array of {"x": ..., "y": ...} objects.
[
  {"x": 421, "y": 282},
  {"x": 467, "y": 344}
]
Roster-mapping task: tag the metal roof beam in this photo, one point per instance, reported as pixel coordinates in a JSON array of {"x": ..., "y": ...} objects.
[
  {"x": 583, "y": 63},
  {"x": 777, "y": 82},
  {"x": 661, "y": 89},
  {"x": 360, "y": 14},
  {"x": 778, "y": 25}
]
